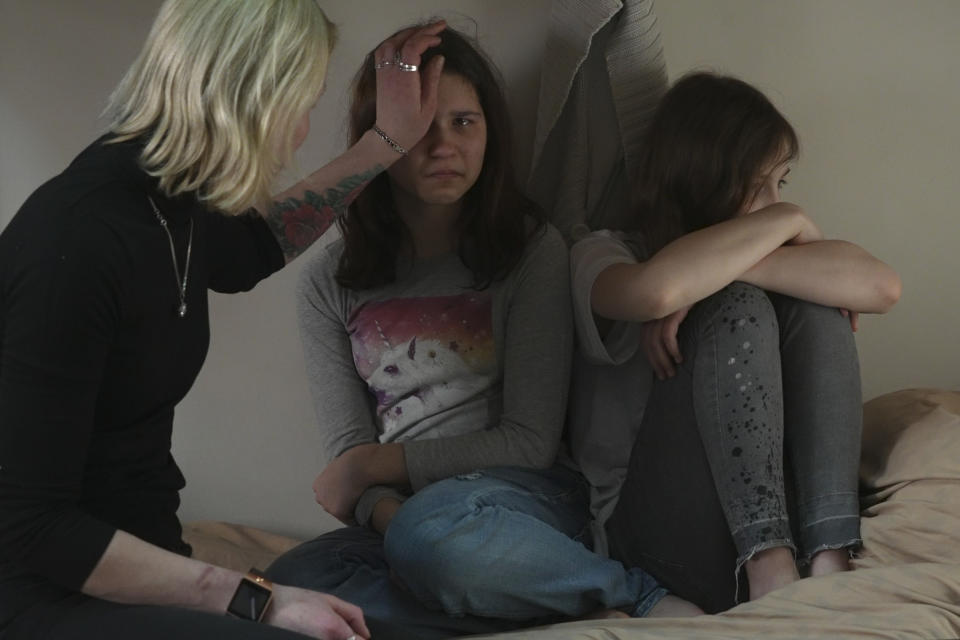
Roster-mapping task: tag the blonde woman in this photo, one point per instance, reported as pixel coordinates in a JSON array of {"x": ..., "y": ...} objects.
[{"x": 104, "y": 274}]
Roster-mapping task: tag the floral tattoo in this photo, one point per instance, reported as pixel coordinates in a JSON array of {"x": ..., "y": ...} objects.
[{"x": 298, "y": 223}]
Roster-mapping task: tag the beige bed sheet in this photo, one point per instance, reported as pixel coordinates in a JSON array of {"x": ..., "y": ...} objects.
[
  {"x": 235, "y": 546},
  {"x": 906, "y": 582}
]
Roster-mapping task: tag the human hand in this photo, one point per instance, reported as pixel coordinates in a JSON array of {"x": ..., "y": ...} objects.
[
  {"x": 339, "y": 486},
  {"x": 407, "y": 101},
  {"x": 315, "y": 614},
  {"x": 853, "y": 316},
  {"x": 658, "y": 339}
]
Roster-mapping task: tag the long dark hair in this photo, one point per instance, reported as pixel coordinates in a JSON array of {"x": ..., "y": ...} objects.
[
  {"x": 495, "y": 221},
  {"x": 709, "y": 139}
]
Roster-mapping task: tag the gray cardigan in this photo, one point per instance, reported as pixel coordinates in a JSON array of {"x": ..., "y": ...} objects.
[{"x": 602, "y": 75}]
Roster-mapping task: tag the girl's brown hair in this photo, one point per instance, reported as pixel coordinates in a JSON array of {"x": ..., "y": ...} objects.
[
  {"x": 495, "y": 222},
  {"x": 709, "y": 139}
]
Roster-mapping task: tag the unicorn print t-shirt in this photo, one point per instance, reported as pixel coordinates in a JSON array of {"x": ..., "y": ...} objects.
[{"x": 424, "y": 360}]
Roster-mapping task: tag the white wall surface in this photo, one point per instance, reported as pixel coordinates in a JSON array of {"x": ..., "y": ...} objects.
[{"x": 872, "y": 87}]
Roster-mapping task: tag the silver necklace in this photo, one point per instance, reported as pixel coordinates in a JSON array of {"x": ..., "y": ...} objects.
[{"x": 180, "y": 282}]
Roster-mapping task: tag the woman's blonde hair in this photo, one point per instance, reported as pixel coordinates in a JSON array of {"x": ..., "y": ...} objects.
[{"x": 217, "y": 92}]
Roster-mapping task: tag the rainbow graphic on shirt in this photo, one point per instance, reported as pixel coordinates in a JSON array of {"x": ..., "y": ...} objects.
[{"x": 422, "y": 356}]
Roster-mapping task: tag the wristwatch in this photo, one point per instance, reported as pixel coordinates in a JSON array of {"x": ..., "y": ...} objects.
[{"x": 252, "y": 597}]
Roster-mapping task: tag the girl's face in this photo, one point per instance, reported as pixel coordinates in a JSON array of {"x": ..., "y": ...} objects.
[
  {"x": 443, "y": 166},
  {"x": 766, "y": 188}
]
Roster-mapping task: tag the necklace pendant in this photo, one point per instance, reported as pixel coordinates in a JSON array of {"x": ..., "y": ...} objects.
[{"x": 181, "y": 283}]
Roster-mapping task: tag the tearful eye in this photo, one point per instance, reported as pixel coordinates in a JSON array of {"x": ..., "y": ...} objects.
[{"x": 461, "y": 122}]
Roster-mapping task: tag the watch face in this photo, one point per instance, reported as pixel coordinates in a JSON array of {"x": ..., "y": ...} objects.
[{"x": 249, "y": 601}]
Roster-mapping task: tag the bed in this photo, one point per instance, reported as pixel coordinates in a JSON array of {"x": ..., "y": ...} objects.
[{"x": 905, "y": 582}]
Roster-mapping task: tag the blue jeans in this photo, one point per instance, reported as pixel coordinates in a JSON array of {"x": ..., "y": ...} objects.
[
  {"x": 754, "y": 444},
  {"x": 481, "y": 552}
]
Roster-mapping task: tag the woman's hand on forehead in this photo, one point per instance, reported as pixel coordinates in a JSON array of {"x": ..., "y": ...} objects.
[{"x": 406, "y": 94}]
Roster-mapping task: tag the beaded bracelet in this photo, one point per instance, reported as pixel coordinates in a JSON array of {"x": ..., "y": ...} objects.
[{"x": 390, "y": 141}]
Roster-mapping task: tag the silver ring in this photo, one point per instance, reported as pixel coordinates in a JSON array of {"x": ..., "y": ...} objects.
[
  {"x": 383, "y": 64},
  {"x": 403, "y": 66}
]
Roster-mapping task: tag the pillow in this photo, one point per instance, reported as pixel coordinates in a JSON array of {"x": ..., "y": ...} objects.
[{"x": 910, "y": 478}]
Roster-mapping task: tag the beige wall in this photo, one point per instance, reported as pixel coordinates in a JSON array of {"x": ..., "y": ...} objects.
[
  {"x": 871, "y": 85},
  {"x": 873, "y": 89}
]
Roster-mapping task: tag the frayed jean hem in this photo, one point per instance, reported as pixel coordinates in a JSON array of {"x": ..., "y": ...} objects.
[{"x": 852, "y": 546}]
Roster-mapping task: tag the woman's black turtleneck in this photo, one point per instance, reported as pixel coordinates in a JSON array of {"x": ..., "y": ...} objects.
[{"x": 94, "y": 358}]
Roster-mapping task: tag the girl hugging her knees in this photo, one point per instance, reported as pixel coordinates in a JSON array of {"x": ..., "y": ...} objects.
[
  {"x": 438, "y": 337},
  {"x": 745, "y": 463}
]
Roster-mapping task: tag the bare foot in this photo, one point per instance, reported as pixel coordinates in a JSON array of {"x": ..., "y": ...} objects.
[
  {"x": 829, "y": 561},
  {"x": 674, "y": 607},
  {"x": 604, "y": 614},
  {"x": 769, "y": 570}
]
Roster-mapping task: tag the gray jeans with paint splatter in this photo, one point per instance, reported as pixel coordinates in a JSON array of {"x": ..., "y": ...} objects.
[{"x": 755, "y": 443}]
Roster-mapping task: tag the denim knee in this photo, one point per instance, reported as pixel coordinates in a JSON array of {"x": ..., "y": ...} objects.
[
  {"x": 453, "y": 544},
  {"x": 819, "y": 327},
  {"x": 428, "y": 547},
  {"x": 737, "y": 308}
]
